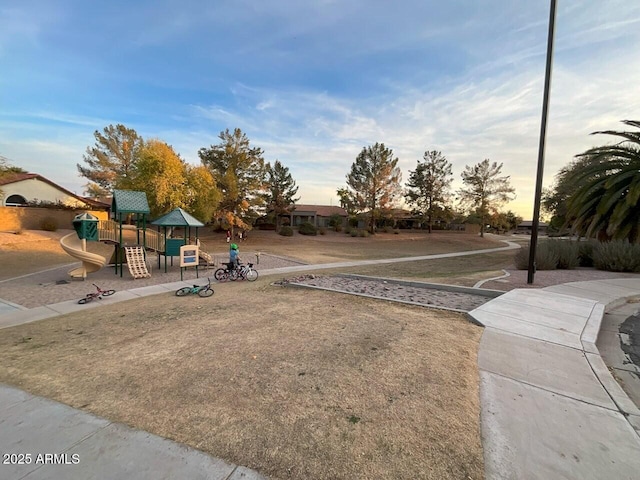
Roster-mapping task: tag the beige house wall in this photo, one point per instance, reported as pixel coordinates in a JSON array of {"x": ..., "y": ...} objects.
[
  {"x": 30, "y": 218},
  {"x": 34, "y": 189}
]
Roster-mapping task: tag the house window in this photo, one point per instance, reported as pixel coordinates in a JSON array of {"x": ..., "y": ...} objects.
[{"x": 15, "y": 201}]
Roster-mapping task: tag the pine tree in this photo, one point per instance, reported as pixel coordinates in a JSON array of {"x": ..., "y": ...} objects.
[
  {"x": 428, "y": 186},
  {"x": 111, "y": 161},
  {"x": 485, "y": 190},
  {"x": 239, "y": 171},
  {"x": 282, "y": 190},
  {"x": 374, "y": 182}
]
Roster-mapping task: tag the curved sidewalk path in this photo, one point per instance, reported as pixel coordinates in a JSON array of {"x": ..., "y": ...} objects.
[{"x": 550, "y": 408}]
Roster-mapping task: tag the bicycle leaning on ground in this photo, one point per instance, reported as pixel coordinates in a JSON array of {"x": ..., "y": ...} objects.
[
  {"x": 201, "y": 290},
  {"x": 97, "y": 294}
]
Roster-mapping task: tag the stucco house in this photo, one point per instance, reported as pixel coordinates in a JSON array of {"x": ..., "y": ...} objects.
[
  {"x": 318, "y": 215},
  {"x": 526, "y": 227},
  {"x": 25, "y": 188}
]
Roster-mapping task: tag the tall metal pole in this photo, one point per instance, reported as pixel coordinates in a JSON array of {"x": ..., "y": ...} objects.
[{"x": 543, "y": 136}]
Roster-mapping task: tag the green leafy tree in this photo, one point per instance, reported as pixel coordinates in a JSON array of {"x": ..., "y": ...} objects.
[
  {"x": 347, "y": 201},
  {"x": 282, "y": 190},
  {"x": 556, "y": 198},
  {"x": 95, "y": 191},
  {"x": 485, "y": 191},
  {"x": 6, "y": 169},
  {"x": 374, "y": 182},
  {"x": 239, "y": 170},
  {"x": 202, "y": 193},
  {"x": 169, "y": 182},
  {"x": 111, "y": 162},
  {"x": 606, "y": 188},
  {"x": 428, "y": 186},
  {"x": 505, "y": 221},
  {"x": 161, "y": 174}
]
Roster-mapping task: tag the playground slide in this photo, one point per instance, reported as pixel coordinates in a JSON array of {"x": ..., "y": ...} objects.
[{"x": 91, "y": 262}]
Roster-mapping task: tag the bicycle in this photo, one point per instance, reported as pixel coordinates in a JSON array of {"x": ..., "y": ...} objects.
[
  {"x": 97, "y": 294},
  {"x": 226, "y": 273},
  {"x": 201, "y": 290},
  {"x": 246, "y": 272}
]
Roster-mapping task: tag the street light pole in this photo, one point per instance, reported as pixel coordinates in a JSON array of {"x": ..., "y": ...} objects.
[{"x": 543, "y": 134}]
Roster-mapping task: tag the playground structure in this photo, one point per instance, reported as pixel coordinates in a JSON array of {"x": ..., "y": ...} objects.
[
  {"x": 131, "y": 241},
  {"x": 190, "y": 255},
  {"x": 89, "y": 228},
  {"x": 75, "y": 244},
  {"x": 135, "y": 207}
]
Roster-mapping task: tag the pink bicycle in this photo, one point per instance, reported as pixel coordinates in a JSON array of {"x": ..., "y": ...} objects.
[{"x": 97, "y": 294}]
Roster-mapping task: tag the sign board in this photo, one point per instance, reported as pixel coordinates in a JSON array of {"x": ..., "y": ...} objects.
[{"x": 189, "y": 256}]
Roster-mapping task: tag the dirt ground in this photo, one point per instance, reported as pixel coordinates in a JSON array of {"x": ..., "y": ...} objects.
[
  {"x": 292, "y": 383},
  {"x": 36, "y": 250}
]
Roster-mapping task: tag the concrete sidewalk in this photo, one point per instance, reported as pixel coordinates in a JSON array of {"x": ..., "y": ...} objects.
[
  {"x": 45, "y": 440},
  {"x": 549, "y": 405}
]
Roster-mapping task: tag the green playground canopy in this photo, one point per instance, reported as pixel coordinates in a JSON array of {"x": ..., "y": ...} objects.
[
  {"x": 177, "y": 218},
  {"x": 128, "y": 201}
]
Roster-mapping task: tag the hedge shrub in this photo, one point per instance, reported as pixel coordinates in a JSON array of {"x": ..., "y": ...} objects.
[
  {"x": 546, "y": 258},
  {"x": 307, "y": 229},
  {"x": 286, "y": 231},
  {"x": 568, "y": 253},
  {"x": 617, "y": 256},
  {"x": 585, "y": 252}
]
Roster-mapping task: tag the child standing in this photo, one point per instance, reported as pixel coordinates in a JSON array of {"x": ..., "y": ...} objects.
[{"x": 234, "y": 255}]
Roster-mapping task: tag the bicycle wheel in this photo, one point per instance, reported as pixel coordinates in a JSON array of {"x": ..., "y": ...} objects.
[
  {"x": 251, "y": 275},
  {"x": 106, "y": 293},
  {"x": 86, "y": 299},
  {"x": 205, "y": 292},
  {"x": 183, "y": 291},
  {"x": 220, "y": 275}
]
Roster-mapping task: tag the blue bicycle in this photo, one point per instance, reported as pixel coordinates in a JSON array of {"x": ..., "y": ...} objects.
[{"x": 200, "y": 290}]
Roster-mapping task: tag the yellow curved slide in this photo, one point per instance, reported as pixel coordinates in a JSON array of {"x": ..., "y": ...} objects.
[{"x": 91, "y": 262}]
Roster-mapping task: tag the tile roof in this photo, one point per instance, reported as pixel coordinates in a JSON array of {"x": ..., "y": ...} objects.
[
  {"x": 322, "y": 210},
  {"x": 19, "y": 177}
]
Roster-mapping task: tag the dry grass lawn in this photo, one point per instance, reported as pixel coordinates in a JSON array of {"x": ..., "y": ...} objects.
[
  {"x": 337, "y": 247},
  {"x": 294, "y": 383},
  {"x": 466, "y": 271}
]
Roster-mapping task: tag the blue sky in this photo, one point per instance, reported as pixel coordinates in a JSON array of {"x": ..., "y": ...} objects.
[{"x": 311, "y": 83}]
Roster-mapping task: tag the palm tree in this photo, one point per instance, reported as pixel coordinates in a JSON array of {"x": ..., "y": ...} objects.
[{"x": 605, "y": 201}]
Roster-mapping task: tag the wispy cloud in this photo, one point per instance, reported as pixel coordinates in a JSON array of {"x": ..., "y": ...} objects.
[{"x": 313, "y": 83}]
